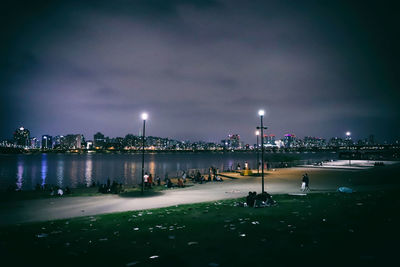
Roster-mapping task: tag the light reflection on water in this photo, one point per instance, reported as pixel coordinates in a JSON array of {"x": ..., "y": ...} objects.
[
  {"x": 88, "y": 171},
  {"x": 43, "y": 170},
  {"x": 25, "y": 171},
  {"x": 60, "y": 172},
  {"x": 20, "y": 173}
]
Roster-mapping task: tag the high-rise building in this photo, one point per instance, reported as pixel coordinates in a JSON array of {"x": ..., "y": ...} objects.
[
  {"x": 289, "y": 140},
  {"x": 35, "y": 142},
  {"x": 99, "y": 140},
  {"x": 58, "y": 141},
  {"x": 73, "y": 141},
  {"x": 47, "y": 142},
  {"x": 22, "y": 137},
  {"x": 235, "y": 141}
]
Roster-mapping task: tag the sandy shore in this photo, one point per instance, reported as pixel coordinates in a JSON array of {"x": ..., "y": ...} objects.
[{"x": 281, "y": 181}]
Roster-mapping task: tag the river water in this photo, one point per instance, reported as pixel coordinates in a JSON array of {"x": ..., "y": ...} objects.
[{"x": 26, "y": 170}]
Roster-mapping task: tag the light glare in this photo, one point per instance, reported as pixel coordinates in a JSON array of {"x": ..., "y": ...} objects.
[
  {"x": 261, "y": 112},
  {"x": 144, "y": 116}
]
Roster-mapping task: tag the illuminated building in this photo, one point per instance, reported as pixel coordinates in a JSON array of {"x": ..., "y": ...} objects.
[
  {"x": 22, "y": 137},
  {"x": 47, "y": 142}
]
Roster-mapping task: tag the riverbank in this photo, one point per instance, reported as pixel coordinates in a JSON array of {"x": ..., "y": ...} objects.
[
  {"x": 317, "y": 229},
  {"x": 280, "y": 181}
]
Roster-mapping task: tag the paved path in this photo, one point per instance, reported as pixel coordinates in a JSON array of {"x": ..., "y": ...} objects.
[{"x": 277, "y": 182}]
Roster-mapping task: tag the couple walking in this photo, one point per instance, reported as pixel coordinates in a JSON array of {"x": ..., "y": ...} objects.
[{"x": 305, "y": 182}]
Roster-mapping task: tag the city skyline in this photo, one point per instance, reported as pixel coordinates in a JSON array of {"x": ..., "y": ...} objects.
[
  {"x": 201, "y": 69},
  {"x": 23, "y": 139}
]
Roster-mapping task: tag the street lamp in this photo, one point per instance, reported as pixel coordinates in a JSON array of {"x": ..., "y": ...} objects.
[
  {"x": 261, "y": 113},
  {"x": 144, "y": 118},
  {"x": 258, "y": 156},
  {"x": 348, "y": 134}
]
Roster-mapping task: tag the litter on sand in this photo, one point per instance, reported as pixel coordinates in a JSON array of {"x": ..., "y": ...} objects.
[
  {"x": 42, "y": 235},
  {"x": 344, "y": 189},
  {"x": 132, "y": 263}
]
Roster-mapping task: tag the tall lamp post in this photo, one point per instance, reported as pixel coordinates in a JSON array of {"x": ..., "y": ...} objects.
[
  {"x": 144, "y": 118},
  {"x": 261, "y": 113},
  {"x": 258, "y": 155},
  {"x": 348, "y": 134}
]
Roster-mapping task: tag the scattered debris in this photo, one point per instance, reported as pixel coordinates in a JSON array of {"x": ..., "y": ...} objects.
[
  {"x": 344, "y": 189},
  {"x": 193, "y": 243},
  {"x": 132, "y": 263},
  {"x": 153, "y": 257},
  {"x": 42, "y": 235}
]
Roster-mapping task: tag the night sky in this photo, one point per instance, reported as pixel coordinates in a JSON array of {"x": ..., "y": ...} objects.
[{"x": 201, "y": 69}]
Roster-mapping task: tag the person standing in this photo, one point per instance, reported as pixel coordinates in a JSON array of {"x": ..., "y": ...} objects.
[
  {"x": 146, "y": 179},
  {"x": 150, "y": 182},
  {"x": 306, "y": 180},
  {"x": 184, "y": 177}
]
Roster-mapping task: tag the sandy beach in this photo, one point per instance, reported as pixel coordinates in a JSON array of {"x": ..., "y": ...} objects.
[{"x": 279, "y": 181}]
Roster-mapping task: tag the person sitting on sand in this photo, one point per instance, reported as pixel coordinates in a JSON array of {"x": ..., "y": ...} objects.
[
  {"x": 60, "y": 192},
  {"x": 180, "y": 183}
]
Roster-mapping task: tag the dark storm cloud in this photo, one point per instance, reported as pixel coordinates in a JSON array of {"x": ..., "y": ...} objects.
[{"x": 201, "y": 69}]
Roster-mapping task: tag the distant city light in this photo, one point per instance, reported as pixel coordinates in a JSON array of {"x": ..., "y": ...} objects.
[
  {"x": 22, "y": 128},
  {"x": 348, "y": 133},
  {"x": 261, "y": 112},
  {"x": 144, "y": 116}
]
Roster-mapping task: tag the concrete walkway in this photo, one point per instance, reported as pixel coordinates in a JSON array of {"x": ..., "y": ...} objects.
[{"x": 282, "y": 181}]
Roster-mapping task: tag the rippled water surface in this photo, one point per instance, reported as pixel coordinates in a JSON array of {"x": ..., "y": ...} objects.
[{"x": 27, "y": 170}]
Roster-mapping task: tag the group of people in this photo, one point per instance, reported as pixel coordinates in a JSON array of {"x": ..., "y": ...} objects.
[
  {"x": 112, "y": 188},
  {"x": 258, "y": 201},
  {"x": 55, "y": 190},
  {"x": 197, "y": 177},
  {"x": 149, "y": 182}
]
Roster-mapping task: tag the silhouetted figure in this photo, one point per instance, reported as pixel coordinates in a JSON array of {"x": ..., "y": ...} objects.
[{"x": 67, "y": 190}]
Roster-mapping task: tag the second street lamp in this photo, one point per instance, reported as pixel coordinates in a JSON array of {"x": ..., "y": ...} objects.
[
  {"x": 261, "y": 113},
  {"x": 348, "y": 134},
  {"x": 258, "y": 156},
  {"x": 144, "y": 118}
]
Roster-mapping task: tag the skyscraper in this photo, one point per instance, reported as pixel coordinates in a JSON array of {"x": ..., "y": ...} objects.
[
  {"x": 47, "y": 142},
  {"x": 22, "y": 137}
]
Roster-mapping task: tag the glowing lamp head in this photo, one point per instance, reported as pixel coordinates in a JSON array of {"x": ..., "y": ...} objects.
[
  {"x": 144, "y": 116},
  {"x": 261, "y": 112},
  {"x": 257, "y": 132},
  {"x": 348, "y": 133}
]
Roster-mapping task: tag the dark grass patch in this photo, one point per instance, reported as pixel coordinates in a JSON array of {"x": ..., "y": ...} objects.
[{"x": 317, "y": 229}]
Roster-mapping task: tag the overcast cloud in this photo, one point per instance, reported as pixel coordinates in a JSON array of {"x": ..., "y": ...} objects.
[{"x": 200, "y": 69}]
